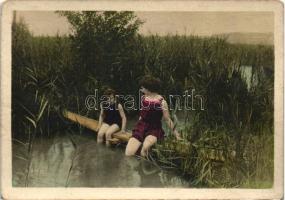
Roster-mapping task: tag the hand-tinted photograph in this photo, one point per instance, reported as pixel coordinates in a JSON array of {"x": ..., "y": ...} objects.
[{"x": 151, "y": 99}]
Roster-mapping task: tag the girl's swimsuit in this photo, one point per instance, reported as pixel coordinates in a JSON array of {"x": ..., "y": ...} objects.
[
  {"x": 112, "y": 115},
  {"x": 150, "y": 120}
]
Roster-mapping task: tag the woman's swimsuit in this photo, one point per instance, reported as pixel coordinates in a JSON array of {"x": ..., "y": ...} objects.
[
  {"x": 150, "y": 120},
  {"x": 112, "y": 115}
]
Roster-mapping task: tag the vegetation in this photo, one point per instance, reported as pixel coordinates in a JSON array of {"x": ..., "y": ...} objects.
[{"x": 231, "y": 139}]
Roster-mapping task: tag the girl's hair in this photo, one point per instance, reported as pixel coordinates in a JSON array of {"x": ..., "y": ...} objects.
[
  {"x": 109, "y": 91},
  {"x": 150, "y": 83}
]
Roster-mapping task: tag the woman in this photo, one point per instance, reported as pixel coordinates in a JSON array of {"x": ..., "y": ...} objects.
[
  {"x": 148, "y": 129},
  {"x": 112, "y": 118}
]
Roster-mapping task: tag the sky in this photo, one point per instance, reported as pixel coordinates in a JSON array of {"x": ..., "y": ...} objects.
[{"x": 163, "y": 23}]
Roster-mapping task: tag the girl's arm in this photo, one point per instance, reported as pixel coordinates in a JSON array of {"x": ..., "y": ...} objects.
[
  {"x": 167, "y": 119},
  {"x": 123, "y": 116},
  {"x": 100, "y": 118}
]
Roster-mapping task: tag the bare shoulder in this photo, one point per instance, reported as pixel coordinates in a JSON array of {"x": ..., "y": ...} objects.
[
  {"x": 160, "y": 97},
  {"x": 164, "y": 103}
]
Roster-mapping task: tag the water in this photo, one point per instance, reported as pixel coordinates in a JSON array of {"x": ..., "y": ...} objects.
[{"x": 70, "y": 160}]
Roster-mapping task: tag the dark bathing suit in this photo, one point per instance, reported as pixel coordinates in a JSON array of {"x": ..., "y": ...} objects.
[
  {"x": 112, "y": 115},
  {"x": 150, "y": 122}
]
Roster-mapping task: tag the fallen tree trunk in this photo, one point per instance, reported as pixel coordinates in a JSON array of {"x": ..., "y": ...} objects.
[
  {"x": 180, "y": 147},
  {"x": 93, "y": 124}
]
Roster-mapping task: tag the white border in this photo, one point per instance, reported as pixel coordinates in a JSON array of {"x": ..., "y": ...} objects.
[{"x": 8, "y": 192}]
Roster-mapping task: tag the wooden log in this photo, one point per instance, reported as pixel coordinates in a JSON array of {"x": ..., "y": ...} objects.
[
  {"x": 92, "y": 124},
  {"x": 180, "y": 147},
  {"x": 114, "y": 141},
  {"x": 123, "y": 136},
  {"x": 83, "y": 121}
]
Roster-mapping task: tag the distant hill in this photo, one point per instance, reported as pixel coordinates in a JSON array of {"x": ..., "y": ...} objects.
[{"x": 249, "y": 38}]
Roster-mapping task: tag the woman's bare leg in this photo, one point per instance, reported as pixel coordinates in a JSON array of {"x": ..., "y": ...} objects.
[
  {"x": 112, "y": 129},
  {"x": 147, "y": 144},
  {"x": 101, "y": 132},
  {"x": 132, "y": 147}
]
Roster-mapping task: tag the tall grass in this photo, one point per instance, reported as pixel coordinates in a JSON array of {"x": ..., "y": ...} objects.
[
  {"x": 231, "y": 141},
  {"x": 236, "y": 118}
]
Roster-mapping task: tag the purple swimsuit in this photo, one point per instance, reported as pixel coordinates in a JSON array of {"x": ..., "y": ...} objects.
[{"x": 150, "y": 122}]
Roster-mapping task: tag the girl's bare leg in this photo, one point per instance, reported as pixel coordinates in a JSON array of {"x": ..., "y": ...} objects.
[
  {"x": 132, "y": 146},
  {"x": 147, "y": 144},
  {"x": 112, "y": 129},
  {"x": 101, "y": 132}
]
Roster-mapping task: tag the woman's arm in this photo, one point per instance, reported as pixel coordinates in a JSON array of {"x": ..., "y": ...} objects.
[
  {"x": 167, "y": 119},
  {"x": 123, "y": 116},
  {"x": 100, "y": 118}
]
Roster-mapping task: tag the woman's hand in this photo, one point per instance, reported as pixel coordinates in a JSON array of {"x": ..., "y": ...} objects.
[
  {"x": 177, "y": 135},
  {"x": 168, "y": 121}
]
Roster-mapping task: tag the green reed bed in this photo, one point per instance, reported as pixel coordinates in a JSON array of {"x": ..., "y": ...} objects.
[{"x": 229, "y": 143}]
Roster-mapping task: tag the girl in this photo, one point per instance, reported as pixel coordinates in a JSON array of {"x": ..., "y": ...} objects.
[
  {"x": 112, "y": 118},
  {"x": 149, "y": 128}
]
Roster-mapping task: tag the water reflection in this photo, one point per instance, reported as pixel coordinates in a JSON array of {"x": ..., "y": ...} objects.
[{"x": 77, "y": 161}]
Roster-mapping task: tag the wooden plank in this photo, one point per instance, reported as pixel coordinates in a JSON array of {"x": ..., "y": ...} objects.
[{"x": 92, "y": 124}]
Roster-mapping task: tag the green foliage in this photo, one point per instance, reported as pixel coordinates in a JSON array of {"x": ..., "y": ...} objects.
[
  {"x": 38, "y": 64},
  {"x": 102, "y": 41}
]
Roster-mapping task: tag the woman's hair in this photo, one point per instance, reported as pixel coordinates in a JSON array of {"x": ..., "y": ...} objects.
[{"x": 150, "y": 83}]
